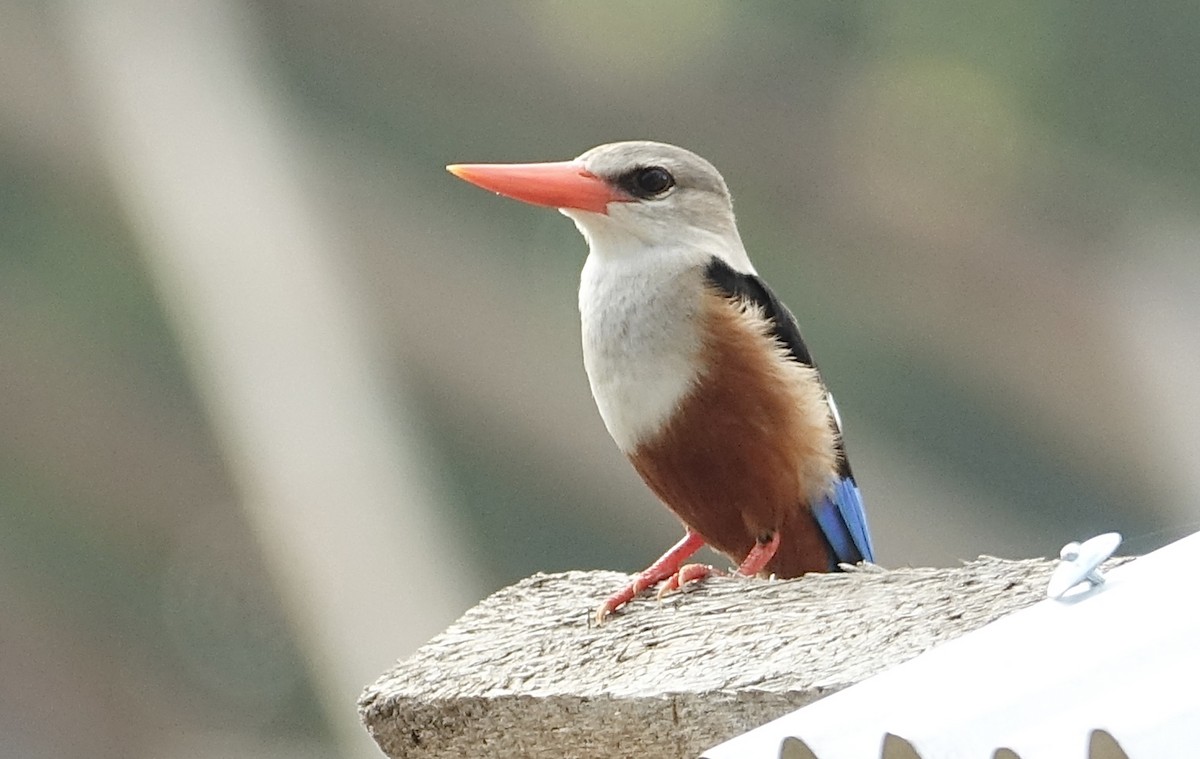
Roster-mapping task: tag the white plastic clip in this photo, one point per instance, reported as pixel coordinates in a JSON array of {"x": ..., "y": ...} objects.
[{"x": 1080, "y": 562}]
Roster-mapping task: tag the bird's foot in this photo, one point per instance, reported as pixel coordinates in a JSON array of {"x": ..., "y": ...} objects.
[
  {"x": 622, "y": 597},
  {"x": 666, "y": 566},
  {"x": 614, "y": 602},
  {"x": 687, "y": 573}
]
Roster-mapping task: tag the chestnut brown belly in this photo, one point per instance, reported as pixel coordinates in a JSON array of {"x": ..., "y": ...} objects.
[{"x": 747, "y": 448}]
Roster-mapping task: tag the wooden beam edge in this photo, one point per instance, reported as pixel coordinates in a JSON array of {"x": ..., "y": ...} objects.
[{"x": 525, "y": 673}]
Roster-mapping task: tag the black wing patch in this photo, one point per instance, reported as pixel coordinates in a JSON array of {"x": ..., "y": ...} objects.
[{"x": 750, "y": 288}]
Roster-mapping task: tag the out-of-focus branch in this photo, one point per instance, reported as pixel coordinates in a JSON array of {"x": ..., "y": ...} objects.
[{"x": 198, "y": 149}]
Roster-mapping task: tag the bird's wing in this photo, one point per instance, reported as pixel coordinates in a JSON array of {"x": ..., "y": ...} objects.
[
  {"x": 842, "y": 518},
  {"x": 840, "y": 514},
  {"x": 749, "y": 288}
]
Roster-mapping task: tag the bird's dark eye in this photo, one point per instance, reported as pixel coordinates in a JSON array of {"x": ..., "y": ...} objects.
[{"x": 648, "y": 182}]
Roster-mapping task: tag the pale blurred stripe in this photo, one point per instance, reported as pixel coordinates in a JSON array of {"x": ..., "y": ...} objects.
[
  {"x": 1158, "y": 314},
  {"x": 199, "y": 150}
]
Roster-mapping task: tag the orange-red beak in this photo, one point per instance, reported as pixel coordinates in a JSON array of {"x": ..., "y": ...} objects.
[{"x": 566, "y": 184}]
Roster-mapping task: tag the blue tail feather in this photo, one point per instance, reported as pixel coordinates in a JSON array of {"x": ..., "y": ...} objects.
[{"x": 841, "y": 516}]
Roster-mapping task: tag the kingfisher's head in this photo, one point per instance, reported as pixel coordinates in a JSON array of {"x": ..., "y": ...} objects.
[{"x": 628, "y": 199}]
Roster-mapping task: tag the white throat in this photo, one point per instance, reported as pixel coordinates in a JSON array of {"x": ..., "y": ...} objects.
[{"x": 639, "y": 305}]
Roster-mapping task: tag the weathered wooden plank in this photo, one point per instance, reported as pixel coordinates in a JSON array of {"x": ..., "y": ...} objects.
[{"x": 527, "y": 674}]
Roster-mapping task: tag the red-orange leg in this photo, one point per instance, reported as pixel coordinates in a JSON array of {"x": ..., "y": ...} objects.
[
  {"x": 758, "y": 558},
  {"x": 760, "y": 555},
  {"x": 667, "y": 566}
]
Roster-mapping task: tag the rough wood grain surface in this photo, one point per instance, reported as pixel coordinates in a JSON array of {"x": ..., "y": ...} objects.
[{"x": 526, "y": 674}]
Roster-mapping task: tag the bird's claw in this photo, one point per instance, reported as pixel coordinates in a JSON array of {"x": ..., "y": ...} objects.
[
  {"x": 620, "y": 598},
  {"x": 614, "y": 602},
  {"x": 687, "y": 573}
]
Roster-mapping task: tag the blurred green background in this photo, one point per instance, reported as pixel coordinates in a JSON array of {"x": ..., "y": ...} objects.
[{"x": 279, "y": 398}]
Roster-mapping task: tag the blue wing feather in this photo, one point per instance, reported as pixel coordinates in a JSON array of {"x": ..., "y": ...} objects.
[{"x": 842, "y": 518}]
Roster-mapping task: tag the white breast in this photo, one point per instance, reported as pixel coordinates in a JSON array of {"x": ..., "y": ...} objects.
[{"x": 640, "y": 342}]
